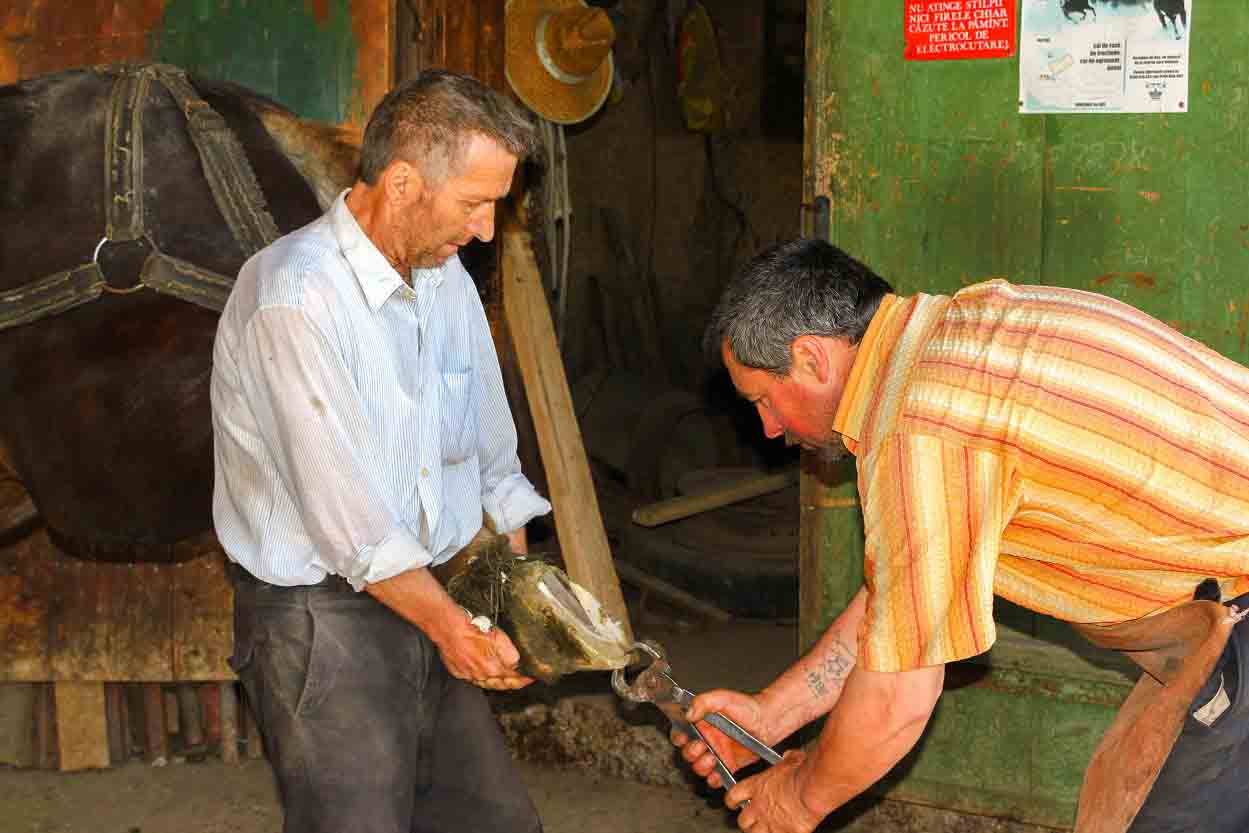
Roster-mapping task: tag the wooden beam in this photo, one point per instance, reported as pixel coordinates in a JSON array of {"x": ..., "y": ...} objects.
[
  {"x": 578, "y": 522},
  {"x": 672, "y": 594},
  {"x": 734, "y": 491}
]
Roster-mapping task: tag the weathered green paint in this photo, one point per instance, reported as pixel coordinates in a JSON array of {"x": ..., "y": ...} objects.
[
  {"x": 938, "y": 182},
  {"x": 284, "y": 49}
]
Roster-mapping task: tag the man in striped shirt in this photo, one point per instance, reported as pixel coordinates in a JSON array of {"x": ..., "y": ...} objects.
[
  {"x": 361, "y": 429},
  {"x": 1054, "y": 447}
]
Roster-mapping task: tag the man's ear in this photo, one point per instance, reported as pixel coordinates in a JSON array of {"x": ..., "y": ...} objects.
[
  {"x": 402, "y": 182},
  {"x": 809, "y": 359}
]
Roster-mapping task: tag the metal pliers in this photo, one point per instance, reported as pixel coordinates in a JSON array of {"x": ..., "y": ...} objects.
[{"x": 655, "y": 685}]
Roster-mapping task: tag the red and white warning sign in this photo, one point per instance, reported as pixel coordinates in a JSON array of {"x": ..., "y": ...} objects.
[{"x": 943, "y": 30}]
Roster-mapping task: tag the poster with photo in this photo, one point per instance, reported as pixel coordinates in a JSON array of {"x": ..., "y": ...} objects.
[{"x": 1104, "y": 56}]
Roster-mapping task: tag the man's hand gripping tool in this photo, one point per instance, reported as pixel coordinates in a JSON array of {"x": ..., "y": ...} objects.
[{"x": 654, "y": 684}]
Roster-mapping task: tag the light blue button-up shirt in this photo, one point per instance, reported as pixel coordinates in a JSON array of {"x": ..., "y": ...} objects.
[{"x": 360, "y": 425}]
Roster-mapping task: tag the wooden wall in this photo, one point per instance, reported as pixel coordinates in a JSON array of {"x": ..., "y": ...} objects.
[{"x": 324, "y": 59}]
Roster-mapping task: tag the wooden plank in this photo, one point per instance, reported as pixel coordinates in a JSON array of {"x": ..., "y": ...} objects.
[
  {"x": 210, "y": 707},
  {"x": 228, "y": 711},
  {"x": 203, "y": 616},
  {"x": 190, "y": 719},
  {"x": 81, "y": 728},
  {"x": 17, "y": 724},
  {"x": 169, "y": 708},
  {"x": 45, "y": 728},
  {"x": 460, "y": 20},
  {"x": 373, "y": 25},
  {"x": 26, "y": 580},
  {"x": 70, "y": 620},
  {"x": 578, "y": 522},
  {"x": 155, "y": 740},
  {"x": 490, "y": 45},
  {"x": 672, "y": 594},
  {"x": 118, "y": 728},
  {"x": 109, "y": 621},
  {"x": 724, "y": 494}
]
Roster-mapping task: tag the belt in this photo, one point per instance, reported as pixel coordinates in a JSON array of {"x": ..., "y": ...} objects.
[{"x": 239, "y": 574}]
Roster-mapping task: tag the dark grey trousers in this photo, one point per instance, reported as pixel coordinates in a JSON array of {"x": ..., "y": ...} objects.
[
  {"x": 1204, "y": 785},
  {"x": 365, "y": 729}
]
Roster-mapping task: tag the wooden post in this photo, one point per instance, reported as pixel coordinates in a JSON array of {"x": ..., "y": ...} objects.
[
  {"x": 18, "y": 712},
  {"x": 210, "y": 708},
  {"x": 156, "y": 742},
  {"x": 578, "y": 523},
  {"x": 118, "y": 724},
  {"x": 45, "y": 727},
  {"x": 82, "y": 733},
  {"x": 190, "y": 719},
  {"x": 228, "y": 709}
]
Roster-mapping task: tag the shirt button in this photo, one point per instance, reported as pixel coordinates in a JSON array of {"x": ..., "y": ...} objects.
[{"x": 424, "y": 472}]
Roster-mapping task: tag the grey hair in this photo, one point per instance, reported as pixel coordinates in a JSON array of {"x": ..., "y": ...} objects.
[
  {"x": 429, "y": 121},
  {"x": 801, "y": 287}
]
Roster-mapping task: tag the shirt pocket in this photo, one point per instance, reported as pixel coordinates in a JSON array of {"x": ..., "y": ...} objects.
[{"x": 459, "y": 420}]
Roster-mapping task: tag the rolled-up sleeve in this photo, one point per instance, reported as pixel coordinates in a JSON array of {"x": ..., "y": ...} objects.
[
  {"x": 308, "y": 413},
  {"x": 507, "y": 496}
]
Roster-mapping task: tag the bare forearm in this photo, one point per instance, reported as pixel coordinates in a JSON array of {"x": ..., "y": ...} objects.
[
  {"x": 877, "y": 720},
  {"x": 487, "y": 659},
  {"x": 813, "y": 685},
  {"x": 418, "y": 597}
]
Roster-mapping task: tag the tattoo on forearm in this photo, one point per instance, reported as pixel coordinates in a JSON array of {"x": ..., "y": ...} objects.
[{"x": 828, "y": 672}]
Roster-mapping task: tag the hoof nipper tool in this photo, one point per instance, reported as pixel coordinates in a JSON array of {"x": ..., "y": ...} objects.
[{"x": 654, "y": 684}]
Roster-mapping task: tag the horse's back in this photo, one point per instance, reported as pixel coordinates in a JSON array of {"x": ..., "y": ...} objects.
[{"x": 104, "y": 408}]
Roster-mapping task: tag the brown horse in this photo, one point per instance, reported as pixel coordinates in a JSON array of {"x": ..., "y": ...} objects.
[{"x": 130, "y": 197}]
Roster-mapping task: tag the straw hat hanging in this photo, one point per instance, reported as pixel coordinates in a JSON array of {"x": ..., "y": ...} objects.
[{"x": 559, "y": 57}]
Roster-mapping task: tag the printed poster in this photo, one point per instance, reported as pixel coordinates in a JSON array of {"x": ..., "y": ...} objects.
[
  {"x": 1104, "y": 56},
  {"x": 943, "y": 30}
]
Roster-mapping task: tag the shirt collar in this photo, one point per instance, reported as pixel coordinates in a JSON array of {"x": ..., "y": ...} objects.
[
  {"x": 377, "y": 278},
  {"x": 873, "y": 353}
]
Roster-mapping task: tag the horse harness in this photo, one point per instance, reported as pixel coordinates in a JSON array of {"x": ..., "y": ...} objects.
[{"x": 234, "y": 187}]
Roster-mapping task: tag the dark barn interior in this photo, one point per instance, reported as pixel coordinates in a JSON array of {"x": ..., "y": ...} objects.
[{"x": 728, "y": 126}]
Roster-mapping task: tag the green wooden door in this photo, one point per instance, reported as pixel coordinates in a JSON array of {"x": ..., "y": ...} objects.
[{"x": 937, "y": 182}]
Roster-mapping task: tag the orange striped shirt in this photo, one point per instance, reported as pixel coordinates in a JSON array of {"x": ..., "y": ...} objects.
[{"x": 1054, "y": 447}]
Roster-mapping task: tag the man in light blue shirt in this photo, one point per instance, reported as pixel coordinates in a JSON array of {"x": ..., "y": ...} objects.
[{"x": 361, "y": 431}]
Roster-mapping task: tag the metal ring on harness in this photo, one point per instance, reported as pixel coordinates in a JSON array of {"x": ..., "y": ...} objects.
[
  {"x": 95, "y": 256},
  {"x": 105, "y": 287}
]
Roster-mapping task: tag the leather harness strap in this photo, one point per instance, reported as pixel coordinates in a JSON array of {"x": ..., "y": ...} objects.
[
  {"x": 1177, "y": 650},
  {"x": 230, "y": 177},
  {"x": 233, "y": 183}
]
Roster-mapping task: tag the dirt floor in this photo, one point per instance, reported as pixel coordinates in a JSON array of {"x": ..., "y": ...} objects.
[
  {"x": 214, "y": 798},
  {"x": 590, "y": 765}
]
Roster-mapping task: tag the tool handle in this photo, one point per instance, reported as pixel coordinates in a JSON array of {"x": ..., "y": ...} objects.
[
  {"x": 690, "y": 730},
  {"x": 746, "y": 739}
]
